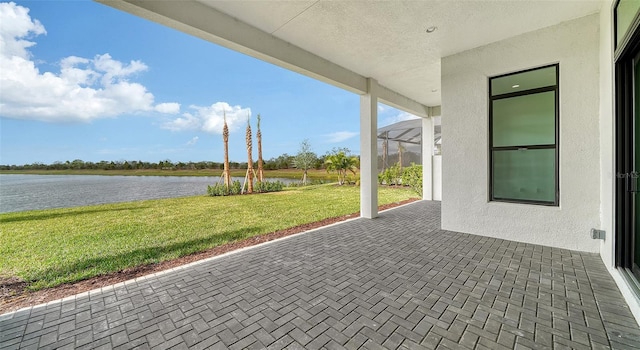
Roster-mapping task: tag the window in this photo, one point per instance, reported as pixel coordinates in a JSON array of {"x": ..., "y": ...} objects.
[
  {"x": 523, "y": 136},
  {"x": 624, "y": 15}
]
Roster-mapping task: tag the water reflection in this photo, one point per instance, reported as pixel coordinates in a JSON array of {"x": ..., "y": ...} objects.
[{"x": 31, "y": 192}]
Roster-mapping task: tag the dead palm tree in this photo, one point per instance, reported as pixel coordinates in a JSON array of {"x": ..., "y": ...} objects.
[
  {"x": 226, "y": 172},
  {"x": 260, "y": 163},
  {"x": 249, "y": 157}
]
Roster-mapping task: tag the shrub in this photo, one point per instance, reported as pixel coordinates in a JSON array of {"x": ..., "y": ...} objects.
[
  {"x": 236, "y": 187},
  {"x": 267, "y": 186},
  {"x": 352, "y": 180},
  {"x": 219, "y": 189},
  {"x": 412, "y": 177},
  {"x": 391, "y": 176}
]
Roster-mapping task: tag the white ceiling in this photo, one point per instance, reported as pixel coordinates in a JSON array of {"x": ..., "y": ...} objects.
[
  {"x": 387, "y": 40},
  {"x": 345, "y": 42}
]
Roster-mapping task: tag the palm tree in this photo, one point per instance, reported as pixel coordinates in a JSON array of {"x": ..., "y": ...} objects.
[
  {"x": 226, "y": 173},
  {"x": 249, "y": 157},
  {"x": 341, "y": 163},
  {"x": 260, "y": 162}
]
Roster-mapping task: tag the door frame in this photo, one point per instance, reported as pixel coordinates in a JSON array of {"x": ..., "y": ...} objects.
[{"x": 625, "y": 54}]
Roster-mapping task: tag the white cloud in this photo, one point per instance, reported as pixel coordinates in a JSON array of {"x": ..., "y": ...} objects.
[
  {"x": 210, "y": 119},
  {"x": 400, "y": 116},
  {"x": 193, "y": 141},
  {"x": 16, "y": 25},
  {"x": 168, "y": 108},
  {"x": 85, "y": 88},
  {"x": 340, "y": 136}
]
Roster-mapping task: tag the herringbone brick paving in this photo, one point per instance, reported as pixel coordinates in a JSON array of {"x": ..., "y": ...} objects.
[{"x": 396, "y": 282}]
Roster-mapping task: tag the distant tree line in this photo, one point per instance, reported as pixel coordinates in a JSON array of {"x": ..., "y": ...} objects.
[{"x": 283, "y": 161}]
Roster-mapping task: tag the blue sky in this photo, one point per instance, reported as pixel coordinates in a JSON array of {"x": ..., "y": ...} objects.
[{"x": 80, "y": 80}]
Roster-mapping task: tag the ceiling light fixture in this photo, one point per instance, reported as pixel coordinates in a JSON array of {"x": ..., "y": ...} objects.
[
  {"x": 431, "y": 29},
  {"x": 515, "y": 86}
]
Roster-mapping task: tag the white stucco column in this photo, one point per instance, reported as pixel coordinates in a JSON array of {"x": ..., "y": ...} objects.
[
  {"x": 427, "y": 158},
  {"x": 369, "y": 151}
]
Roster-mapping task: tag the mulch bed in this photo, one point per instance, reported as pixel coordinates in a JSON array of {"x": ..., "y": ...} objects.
[{"x": 14, "y": 294}]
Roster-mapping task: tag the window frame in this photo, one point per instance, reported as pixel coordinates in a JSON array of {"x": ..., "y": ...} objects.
[
  {"x": 556, "y": 145},
  {"x": 625, "y": 38}
]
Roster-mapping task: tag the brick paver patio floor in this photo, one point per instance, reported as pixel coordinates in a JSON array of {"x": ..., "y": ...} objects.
[{"x": 394, "y": 282}]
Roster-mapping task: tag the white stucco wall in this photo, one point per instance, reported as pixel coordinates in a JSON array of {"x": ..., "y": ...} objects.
[
  {"x": 465, "y": 207},
  {"x": 437, "y": 178},
  {"x": 606, "y": 125}
]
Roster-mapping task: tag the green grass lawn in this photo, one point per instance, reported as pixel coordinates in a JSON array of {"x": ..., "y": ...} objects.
[{"x": 50, "y": 247}]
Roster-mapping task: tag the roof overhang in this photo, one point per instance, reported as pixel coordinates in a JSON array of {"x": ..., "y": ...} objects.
[
  {"x": 344, "y": 43},
  {"x": 197, "y": 19}
]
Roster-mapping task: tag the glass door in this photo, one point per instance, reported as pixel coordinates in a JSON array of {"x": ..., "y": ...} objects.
[
  {"x": 633, "y": 189},
  {"x": 627, "y": 151}
]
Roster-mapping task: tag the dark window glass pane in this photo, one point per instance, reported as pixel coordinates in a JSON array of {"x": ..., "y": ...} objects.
[
  {"x": 625, "y": 13},
  {"x": 524, "y": 175},
  {"x": 636, "y": 168},
  {"x": 524, "y": 81},
  {"x": 525, "y": 120}
]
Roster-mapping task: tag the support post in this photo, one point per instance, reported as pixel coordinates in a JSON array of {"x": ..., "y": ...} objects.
[
  {"x": 369, "y": 151},
  {"x": 427, "y": 158}
]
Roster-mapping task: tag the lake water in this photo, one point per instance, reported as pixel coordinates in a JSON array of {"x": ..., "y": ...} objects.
[{"x": 31, "y": 192}]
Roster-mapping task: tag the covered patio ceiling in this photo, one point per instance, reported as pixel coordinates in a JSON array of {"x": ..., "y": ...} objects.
[{"x": 345, "y": 42}]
